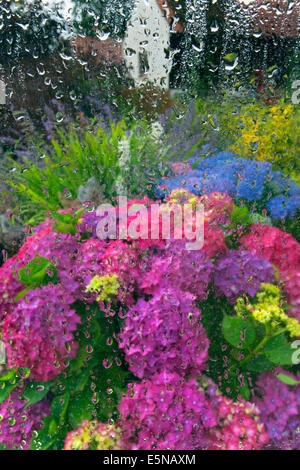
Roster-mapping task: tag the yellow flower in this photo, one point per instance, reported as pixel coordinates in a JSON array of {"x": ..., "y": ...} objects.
[
  {"x": 293, "y": 327},
  {"x": 267, "y": 309},
  {"x": 108, "y": 286},
  {"x": 94, "y": 436},
  {"x": 263, "y": 133}
]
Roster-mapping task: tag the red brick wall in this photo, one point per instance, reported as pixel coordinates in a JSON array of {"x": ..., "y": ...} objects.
[
  {"x": 272, "y": 17},
  {"x": 95, "y": 50}
]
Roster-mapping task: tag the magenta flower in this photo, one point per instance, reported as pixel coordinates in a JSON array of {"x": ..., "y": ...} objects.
[
  {"x": 38, "y": 334},
  {"x": 188, "y": 270},
  {"x": 17, "y": 422},
  {"x": 165, "y": 333},
  {"x": 280, "y": 410},
  {"x": 241, "y": 272},
  {"x": 164, "y": 413}
]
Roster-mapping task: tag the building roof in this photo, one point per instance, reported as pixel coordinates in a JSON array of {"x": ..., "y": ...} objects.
[
  {"x": 275, "y": 17},
  {"x": 110, "y": 49},
  {"x": 95, "y": 50},
  {"x": 167, "y": 9}
]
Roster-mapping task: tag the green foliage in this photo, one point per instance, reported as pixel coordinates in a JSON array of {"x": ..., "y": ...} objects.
[
  {"x": 240, "y": 216},
  {"x": 6, "y": 388},
  {"x": 91, "y": 385},
  {"x": 35, "y": 391},
  {"x": 287, "y": 379},
  {"x": 9, "y": 380},
  {"x": 256, "y": 130},
  {"x": 278, "y": 350},
  {"x": 66, "y": 222},
  {"x": 239, "y": 332},
  {"x": 241, "y": 347},
  {"x": 37, "y": 272},
  {"x": 51, "y": 183},
  {"x": 49, "y": 437},
  {"x": 108, "y": 17}
]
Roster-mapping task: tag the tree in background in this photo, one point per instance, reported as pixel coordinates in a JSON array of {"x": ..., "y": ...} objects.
[
  {"x": 179, "y": 9},
  {"x": 28, "y": 30},
  {"x": 203, "y": 41},
  {"x": 224, "y": 41},
  {"x": 277, "y": 25},
  {"x": 102, "y": 16}
]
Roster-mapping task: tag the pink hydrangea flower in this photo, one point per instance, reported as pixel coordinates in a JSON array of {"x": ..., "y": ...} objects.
[
  {"x": 164, "y": 333},
  {"x": 39, "y": 333},
  {"x": 279, "y": 405},
  {"x": 165, "y": 413},
  {"x": 17, "y": 422},
  {"x": 278, "y": 247},
  {"x": 238, "y": 426}
]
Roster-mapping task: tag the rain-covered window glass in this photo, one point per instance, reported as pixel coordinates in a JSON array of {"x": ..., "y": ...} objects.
[{"x": 149, "y": 225}]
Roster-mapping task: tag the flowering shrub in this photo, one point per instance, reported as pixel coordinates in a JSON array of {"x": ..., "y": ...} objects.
[
  {"x": 173, "y": 337},
  {"x": 18, "y": 423},
  {"x": 253, "y": 182},
  {"x": 168, "y": 413},
  {"x": 239, "y": 426},
  {"x": 279, "y": 405},
  {"x": 265, "y": 133},
  {"x": 253, "y": 129},
  {"x": 189, "y": 330},
  {"x": 93, "y": 436}
]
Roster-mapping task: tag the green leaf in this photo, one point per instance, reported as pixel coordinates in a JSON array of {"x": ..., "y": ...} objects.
[
  {"x": 245, "y": 392},
  {"x": 10, "y": 374},
  {"x": 6, "y": 389},
  {"x": 59, "y": 407},
  {"x": 46, "y": 436},
  {"x": 38, "y": 271},
  {"x": 278, "y": 350},
  {"x": 240, "y": 216},
  {"x": 81, "y": 407},
  {"x": 287, "y": 379},
  {"x": 238, "y": 332},
  {"x": 35, "y": 391},
  {"x": 258, "y": 364}
]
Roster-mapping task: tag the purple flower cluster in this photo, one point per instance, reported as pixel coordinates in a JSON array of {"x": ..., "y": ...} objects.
[
  {"x": 186, "y": 270},
  {"x": 164, "y": 333},
  {"x": 17, "y": 422},
  {"x": 38, "y": 329},
  {"x": 280, "y": 411},
  {"x": 242, "y": 179},
  {"x": 164, "y": 413},
  {"x": 172, "y": 413},
  {"x": 38, "y": 334},
  {"x": 86, "y": 265},
  {"x": 241, "y": 272}
]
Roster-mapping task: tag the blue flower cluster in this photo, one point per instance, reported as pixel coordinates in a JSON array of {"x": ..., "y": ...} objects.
[{"x": 242, "y": 179}]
